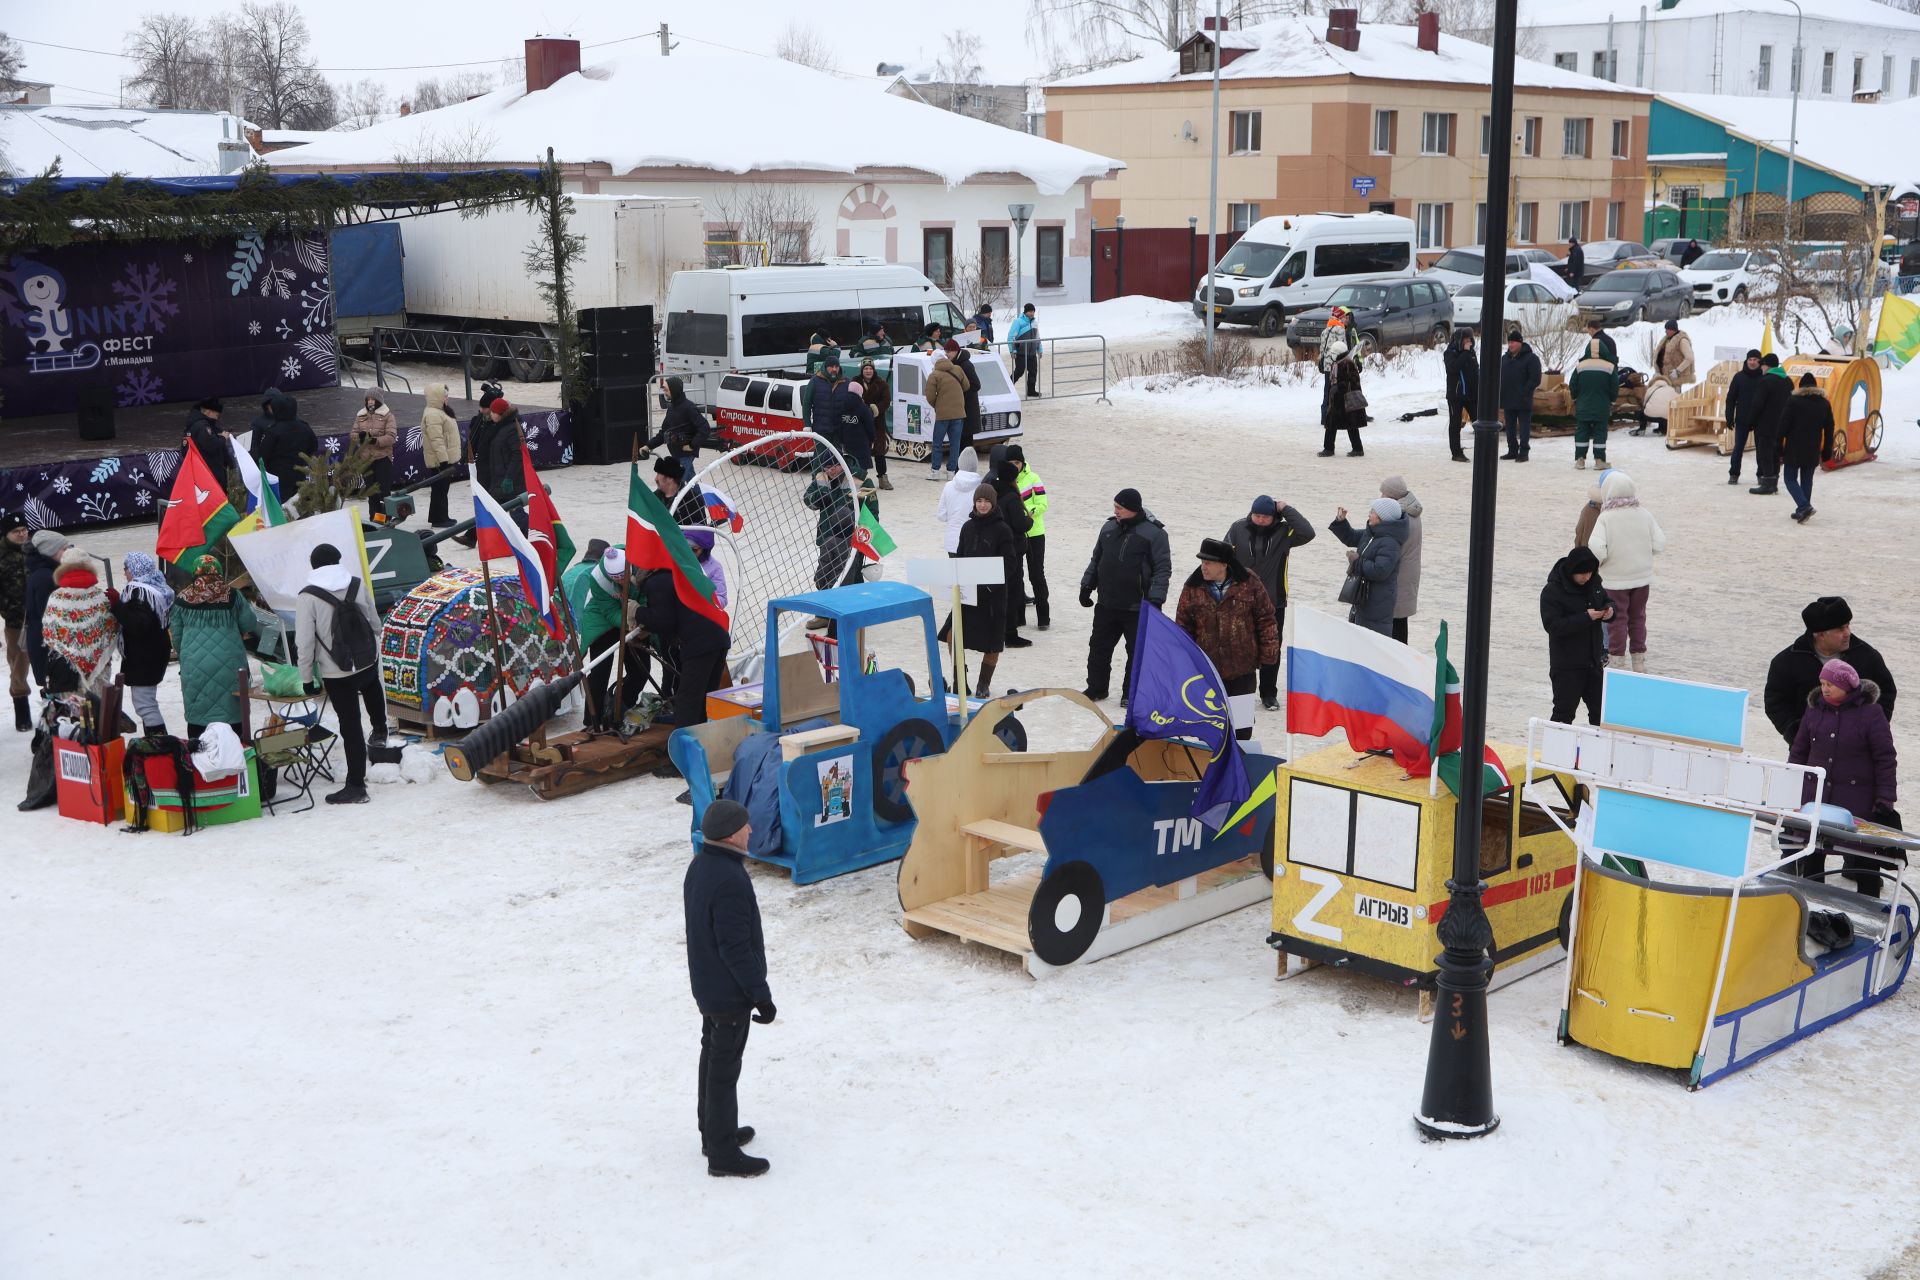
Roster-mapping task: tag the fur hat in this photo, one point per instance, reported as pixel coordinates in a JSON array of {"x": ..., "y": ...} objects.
[
  {"x": 1386, "y": 508},
  {"x": 665, "y": 466},
  {"x": 1216, "y": 550},
  {"x": 1128, "y": 499},
  {"x": 72, "y": 557},
  {"x": 1826, "y": 613},
  {"x": 1840, "y": 673},
  {"x": 722, "y": 819}
]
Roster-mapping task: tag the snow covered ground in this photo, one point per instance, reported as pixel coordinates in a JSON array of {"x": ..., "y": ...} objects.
[{"x": 449, "y": 1033}]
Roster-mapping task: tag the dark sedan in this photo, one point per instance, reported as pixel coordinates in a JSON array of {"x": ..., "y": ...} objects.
[
  {"x": 1603, "y": 256},
  {"x": 1628, "y": 297},
  {"x": 1386, "y": 313}
]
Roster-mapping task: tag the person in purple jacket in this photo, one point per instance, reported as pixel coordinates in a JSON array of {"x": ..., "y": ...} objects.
[{"x": 1846, "y": 732}]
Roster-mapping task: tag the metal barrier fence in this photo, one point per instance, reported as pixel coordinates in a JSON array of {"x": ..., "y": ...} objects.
[
  {"x": 530, "y": 357},
  {"x": 1070, "y": 366}
]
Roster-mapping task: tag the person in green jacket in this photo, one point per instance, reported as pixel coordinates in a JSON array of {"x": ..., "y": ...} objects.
[
  {"x": 209, "y": 621},
  {"x": 1033, "y": 493},
  {"x": 592, "y": 588},
  {"x": 1593, "y": 386}
]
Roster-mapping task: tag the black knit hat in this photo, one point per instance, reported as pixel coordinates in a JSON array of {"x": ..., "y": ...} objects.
[
  {"x": 1826, "y": 613},
  {"x": 722, "y": 819},
  {"x": 664, "y": 466},
  {"x": 12, "y": 520},
  {"x": 1128, "y": 498}
]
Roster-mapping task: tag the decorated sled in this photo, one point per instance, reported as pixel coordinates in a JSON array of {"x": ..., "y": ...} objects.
[
  {"x": 437, "y": 660},
  {"x": 1698, "y": 415},
  {"x": 1115, "y": 861},
  {"x": 911, "y": 428},
  {"x": 1733, "y": 959},
  {"x": 838, "y": 785}
]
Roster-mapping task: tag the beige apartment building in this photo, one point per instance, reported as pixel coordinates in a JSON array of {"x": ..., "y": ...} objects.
[{"x": 1355, "y": 117}]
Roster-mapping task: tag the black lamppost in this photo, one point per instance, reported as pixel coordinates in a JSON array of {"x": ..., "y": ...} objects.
[{"x": 1458, "y": 1099}]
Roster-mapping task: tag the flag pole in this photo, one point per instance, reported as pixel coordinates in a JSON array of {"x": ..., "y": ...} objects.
[
  {"x": 620, "y": 654},
  {"x": 960, "y": 653},
  {"x": 493, "y": 627}
]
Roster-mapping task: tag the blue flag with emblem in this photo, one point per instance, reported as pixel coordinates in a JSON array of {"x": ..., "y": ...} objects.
[{"x": 1177, "y": 693}]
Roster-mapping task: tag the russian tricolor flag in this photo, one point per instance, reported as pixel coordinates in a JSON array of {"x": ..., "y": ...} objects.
[
  {"x": 1379, "y": 690},
  {"x": 499, "y": 537},
  {"x": 720, "y": 509}
]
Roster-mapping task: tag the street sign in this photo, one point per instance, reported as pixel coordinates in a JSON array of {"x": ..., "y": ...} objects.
[
  {"x": 1363, "y": 185},
  {"x": 1910, "y": 208},
  {"x": 1021, "y": 214}
]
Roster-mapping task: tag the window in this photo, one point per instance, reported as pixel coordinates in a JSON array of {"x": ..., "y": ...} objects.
[
  {"x": 757, "y": 394},
  {"x": 698, "y": 333},
  {"x": 996, "y": 260},
  {"x": 1245, "y": 131},
  {"x": 1530, "y": 130},
  {"x": 936, "y": 255},
  {"x": 901, "y": 323},
  {"x": 1913, "y": 78},
  {"x": 1486, "y": 135},
  {"x": 1886, "y": 75},
  {"x": 722, "y": 255},
  {"x": 1365, "y": 836},
  {"x": 1480, "y": 223},
  {"x": 1859, "y": 72},
  {"x": 1528, "y": 230},
  {"x": 1242, "y": 216},
  {"x": 1573, "y": 219},
  {"x": 1050, "y": 257},
  {"x": 782, "y": 400},
  {"x": 1385, "y": 125},
  {"x": 1616, "y": 213},
  {"x": 1377, "y": 258},
  {"x": 1606, "y": 64},
  {"x": 790, "y": 244},
  {"x": 1432, "y": 222},
  {"x": 1567, "y": 61},
  {"x": 784, "y": 333},
  {"x": 1826, "y": 71},
  {"x": 1576, "y": 136},
  {"x": 1400, "y": 298},
  {"x": 1496, "y": 831},
  {"x": 1621, "y": 130},
  {"x": 1436, "y": 133},
  {"x": 1763, "y": 75}
]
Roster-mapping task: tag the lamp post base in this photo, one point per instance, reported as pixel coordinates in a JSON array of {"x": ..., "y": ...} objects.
[{"x": 1458, "y": 1099}]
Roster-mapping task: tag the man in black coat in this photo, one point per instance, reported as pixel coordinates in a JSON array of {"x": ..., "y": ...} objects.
[
  {"x": 1263, "y": 541},
  {"x": 279, "y": 446},
  {"x": 727, "y": 965},
  {"x": 693, "y": 643},
  {"x": 1795, "y": 670},
  {"x": 1462, "y": 364},
  {"x": 1519, "y": 379},
  {"x": 1131, "y": 562},
  {"x": 204, "y": 432},
  {"x": 1746, "y": 398},
  {"x": 1574, "y": 609},
  {"x": 1576, "y": 263},
  {"x": 1776, "y": 401},
  {"x": 682, "y": 428}
]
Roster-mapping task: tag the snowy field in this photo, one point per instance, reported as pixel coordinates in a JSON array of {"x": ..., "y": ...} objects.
[{"x": 449, "y": 1033}]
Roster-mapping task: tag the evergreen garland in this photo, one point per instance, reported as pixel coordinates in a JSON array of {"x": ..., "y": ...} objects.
[{"x": 550, "y": 259}]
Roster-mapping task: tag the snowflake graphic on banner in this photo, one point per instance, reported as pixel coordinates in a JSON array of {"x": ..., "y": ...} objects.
[
  {"x": 253, "y": 328},
  {"x": 290, "y": 368},
  {"x": 186, "y": 257},
  {"x": 142, "y": 499},
  {"x": 284, "y": 329},
  {"x": 319, "y": 352},
  {"x": 62, "y": 485},
  {"x": 146, "y": 297},
  {"x": 142, "y": 386}
]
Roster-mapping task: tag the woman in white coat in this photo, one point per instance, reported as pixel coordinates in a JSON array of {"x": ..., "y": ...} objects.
[
  {"x": 956, "y": 500},
  {"x": 1626, "y": 538}
]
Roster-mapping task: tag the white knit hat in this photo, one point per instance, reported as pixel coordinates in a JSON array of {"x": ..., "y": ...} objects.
[{"x": 1386, "y": 508}]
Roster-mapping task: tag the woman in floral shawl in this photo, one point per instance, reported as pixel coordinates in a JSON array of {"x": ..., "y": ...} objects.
[
  {"x": 209, "y": 619},
  {"x": 78, "y": 627}
]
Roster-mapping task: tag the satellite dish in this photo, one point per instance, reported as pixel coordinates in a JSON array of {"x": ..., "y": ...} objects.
[{"x": 1186, "y": 132}]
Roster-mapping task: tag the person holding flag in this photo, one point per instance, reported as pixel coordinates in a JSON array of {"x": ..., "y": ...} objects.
[
  {"x": 594, "y": 590},
  {"x": 676, "y": 602}
]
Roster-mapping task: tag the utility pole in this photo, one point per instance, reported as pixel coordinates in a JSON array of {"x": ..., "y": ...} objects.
[
  {"x": 666, "y": 43},
  {"x": 1793, "y": 125},
  {"x": 1213, "y": 187}
]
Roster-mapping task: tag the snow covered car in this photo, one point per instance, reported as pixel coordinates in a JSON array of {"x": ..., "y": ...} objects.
[
  {"x": 1529, "y": 306},
  {"x": 1628, "y": 297},
  {"x": 1730, "y": 275},
  {"x": 1841, "y": 270},
  {"x": 1457, "y": 267}
]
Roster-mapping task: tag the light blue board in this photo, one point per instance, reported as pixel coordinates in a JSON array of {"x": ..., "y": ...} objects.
[
  {"x": 1669, "y": 831},
  {"x": 1674, "y": 708}
]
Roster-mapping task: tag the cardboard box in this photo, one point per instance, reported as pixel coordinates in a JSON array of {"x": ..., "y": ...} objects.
[{"x": 88, "y": 781}]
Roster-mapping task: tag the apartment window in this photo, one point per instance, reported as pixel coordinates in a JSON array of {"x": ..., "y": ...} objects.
[
  {"x": 1531, "y": 130},
  {"x": 1480, "y": 223},
  {"x": 996, "y": 260},
  {"x": 1246, "y": 132},
  {"x": 1049, "y": 258},
  {"x": 722, "y": 255},
  {"x": 1431, "y": 220},
  {"x": 1242, "y": 216},
  {"x": 1486, "y": 135},
  {"x": 1826, "y": 71},
  {"x": 1567, "y": 61},
  {"x": 790, "y": 244},
  {"x": 1620, "y": 139},
  {"x": 1859, "y": 72},
  {"x": 936, "y": 255},
  {"x": 1529, "y": 224},
  {"x": 1576, "y": 136},
  {"x": 1616, "y": 214},
  {"x": 1385, "y": 125},
  {"x": 1573, "y": 219},
  {"x": 1436, "y": 133},
  {"x": 1606, "y": 64},
  {"x": 1763, "y": 77}
]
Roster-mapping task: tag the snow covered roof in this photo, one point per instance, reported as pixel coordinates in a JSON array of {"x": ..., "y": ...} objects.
[
  {"x": 98, "y": 141},
  {"x": 1292, "y": 48},
  {"x": 1573, "y": 13},
  {"x": 711, "y": 109},
  {"x": 1844, "y": 138}
]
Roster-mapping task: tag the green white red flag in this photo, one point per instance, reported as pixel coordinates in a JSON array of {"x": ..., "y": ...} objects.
[{"x": 654, "y": 541}]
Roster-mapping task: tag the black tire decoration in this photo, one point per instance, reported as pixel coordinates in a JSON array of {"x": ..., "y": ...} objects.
[
  {"x": 1011, "y": 732},
  {"x": 1566, "y": 924},
  {"x": 906, "y": 741},
  {"x": 1079, "y": 882}
]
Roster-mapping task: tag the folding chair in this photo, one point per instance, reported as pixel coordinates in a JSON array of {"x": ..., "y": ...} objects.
[{"x": 297, "y": 745}]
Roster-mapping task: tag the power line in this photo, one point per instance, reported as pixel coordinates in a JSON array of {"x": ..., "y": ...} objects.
[{"x": 420, "y": 66}]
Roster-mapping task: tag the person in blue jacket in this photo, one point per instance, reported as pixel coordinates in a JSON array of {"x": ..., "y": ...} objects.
[
  {"x": 727, "y": 965},
  {"x": 1025, "y": 337},
  {"x": 983, "y": 321}
]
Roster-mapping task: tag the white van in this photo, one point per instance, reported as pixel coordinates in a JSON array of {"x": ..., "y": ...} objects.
[
  {"x": 752, "y": 318},
  {"x": 1282, "y": 265}
]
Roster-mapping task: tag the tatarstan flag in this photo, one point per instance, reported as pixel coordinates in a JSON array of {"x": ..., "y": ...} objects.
[
  {"x": 870, "y": 540},
  {"x": 545, "y": 529},
  {"x": 654, "y": 541},
  {"x": 198, "y": 513}
]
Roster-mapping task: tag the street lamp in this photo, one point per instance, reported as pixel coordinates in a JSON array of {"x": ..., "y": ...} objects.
[
  {"x": 1021, "y": 215},
  {"x": 1213, "y": 184},
  {"x": 1457, "y": 1101},
  {"x": 1793, "y": 122}
]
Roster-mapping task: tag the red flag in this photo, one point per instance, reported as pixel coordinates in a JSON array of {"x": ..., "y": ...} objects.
[
  {"x": 198, "y": 513},
  {"x": 543, "y": 519}
]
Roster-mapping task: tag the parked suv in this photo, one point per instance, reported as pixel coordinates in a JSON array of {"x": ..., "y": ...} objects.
[
  {"x": 1456, "y": 267},
  {"x": 1729, "y": 275},
  {"x": 1636, "y": 294},
  {"x": 1386, "y": 313}
]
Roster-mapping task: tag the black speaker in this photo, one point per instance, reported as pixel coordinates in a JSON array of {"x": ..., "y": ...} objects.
[
  {"x": 93, "y": 409},
  {"x": 617, "y": 344},
  {"x": 618, "y": 355},
  {"x": 607, "y": 422}
]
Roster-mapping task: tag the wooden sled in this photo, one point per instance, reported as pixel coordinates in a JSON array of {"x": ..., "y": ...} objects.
[{"x": 574, "y": 762}]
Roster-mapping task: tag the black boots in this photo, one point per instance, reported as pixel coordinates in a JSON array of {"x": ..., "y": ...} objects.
[
  {"x": 21, "y": 720},
  {"x": 741, "y": 1165}
]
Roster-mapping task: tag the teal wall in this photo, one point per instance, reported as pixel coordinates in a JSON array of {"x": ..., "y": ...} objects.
[{"x": 1675, "y": 130}]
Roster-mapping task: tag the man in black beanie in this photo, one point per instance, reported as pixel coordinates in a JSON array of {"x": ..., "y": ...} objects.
[
  {"x": 1795, "y": 670},
  {"x": 727, "y": 963},
  {"x": 1131, "y": 562}
]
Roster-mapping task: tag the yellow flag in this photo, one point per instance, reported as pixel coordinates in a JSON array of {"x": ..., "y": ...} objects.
[
  {"x": 1898, "y": 334},
  {"x": 1766, "y": 339}
]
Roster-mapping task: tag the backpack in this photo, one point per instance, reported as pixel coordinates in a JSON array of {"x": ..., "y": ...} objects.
[{"x": 352, "y": 647}]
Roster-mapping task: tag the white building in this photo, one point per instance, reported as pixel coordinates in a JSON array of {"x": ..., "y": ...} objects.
[
  {"x": 1739, "y": 47},
  {"x": 96, "y": 142},
  {"x": 815, "y": 164}
]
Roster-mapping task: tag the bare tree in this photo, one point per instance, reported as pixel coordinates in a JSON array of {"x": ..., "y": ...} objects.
[
  {"x": 1094, "y": 33},
  {"x": 979, "y": 282},
  {"x": 169, "y": 53},
  {"x": 363, "y": 103},
  {"x": 959, "y": 60},
  {"x": 442, "y": 148},
  {"x": 281, "y": 86},
  {"x": 431, "y": 94},
  {"x": 801, "y": 43},
  {"x": 776, "y": 214}
]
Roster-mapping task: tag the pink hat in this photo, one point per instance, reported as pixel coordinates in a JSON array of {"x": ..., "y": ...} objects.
[{"x": 1840, "y": 674}]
